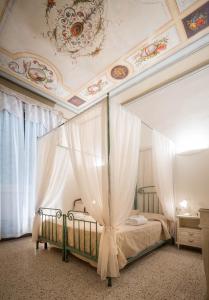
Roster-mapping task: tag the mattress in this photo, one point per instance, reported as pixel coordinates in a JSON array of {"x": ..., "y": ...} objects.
[{"x": 130, "y": 239}]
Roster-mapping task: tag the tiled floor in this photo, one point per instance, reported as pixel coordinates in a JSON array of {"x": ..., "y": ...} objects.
[{"x": 165, "y": 274}]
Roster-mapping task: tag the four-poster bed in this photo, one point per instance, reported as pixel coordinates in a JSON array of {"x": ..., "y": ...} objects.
[
  {"x": 103, "y": 148},
  {"x": 77, "y": 233}
]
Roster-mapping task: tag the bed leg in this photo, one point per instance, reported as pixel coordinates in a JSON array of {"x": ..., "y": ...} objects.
[
  {"x": 37, "y": 245},
  {"x": 45, "y": 246},
  {"x": 63, "y": 255},
  {"x": 67, "y": 256},
  {"x": 109, "y": 281}
]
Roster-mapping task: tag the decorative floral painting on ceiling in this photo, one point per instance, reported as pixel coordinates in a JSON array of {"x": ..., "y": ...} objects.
[
  {"x": 197, "y": 21},
  {"x": 76, "y": 26},
  {"x": 35, "y": 71},
  {"x": 96, "y": 88},
  {"x": 166, "y": 41}
]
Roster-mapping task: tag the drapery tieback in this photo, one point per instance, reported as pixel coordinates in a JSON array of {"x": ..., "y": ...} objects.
[{"x": 110, "y": 228}]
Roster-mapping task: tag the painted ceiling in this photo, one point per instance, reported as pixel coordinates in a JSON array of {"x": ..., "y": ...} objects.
[{"x": 75, "y": 51}]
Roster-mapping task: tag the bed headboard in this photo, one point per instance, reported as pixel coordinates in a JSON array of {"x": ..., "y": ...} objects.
[
  {"x": 148, "y": 200},
  {"x": 79, "y": 206}
]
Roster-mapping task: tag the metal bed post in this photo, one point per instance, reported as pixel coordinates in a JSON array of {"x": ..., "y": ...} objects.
[
  {"x": 64, "y": 237},
  {"x": 109, "y": 279},
  {"x": 135, "y": 198}
]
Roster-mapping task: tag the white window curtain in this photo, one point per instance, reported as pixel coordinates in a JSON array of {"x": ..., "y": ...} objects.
[
  {"x": 11, "y": 171},
  {"x": 20, "y": 123},
  {"x": 87, "y": 141},
  {"x": 163, "y": 154}
]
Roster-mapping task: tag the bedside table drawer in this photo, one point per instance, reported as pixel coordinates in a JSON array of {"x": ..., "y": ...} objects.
[{"x": 189, "y": 237}]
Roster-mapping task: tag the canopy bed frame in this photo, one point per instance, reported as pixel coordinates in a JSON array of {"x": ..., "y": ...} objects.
[
  {"x": 57, "y": 227},
  {"x": 80, "y": 235}
]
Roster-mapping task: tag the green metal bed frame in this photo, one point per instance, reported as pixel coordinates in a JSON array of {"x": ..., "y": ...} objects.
[{"x": 49, "y": 229}]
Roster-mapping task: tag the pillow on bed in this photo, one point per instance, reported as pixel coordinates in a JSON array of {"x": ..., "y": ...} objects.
[
  {"x": 136, "y": 220},
  {"x": 153, "y": 216}
]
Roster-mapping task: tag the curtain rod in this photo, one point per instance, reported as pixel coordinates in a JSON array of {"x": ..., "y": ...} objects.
[
  {"x": 147, "y": 125},
  {"x": 64, "y": 123}
]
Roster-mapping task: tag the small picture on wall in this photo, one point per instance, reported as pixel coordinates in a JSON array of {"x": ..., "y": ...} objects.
[{"x": 197, "y": 20}]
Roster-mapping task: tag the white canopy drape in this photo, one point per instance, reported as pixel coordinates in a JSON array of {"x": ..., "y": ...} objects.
[
  {"x": 107, "y": 197},
  {"x": 87, "y": 139},
  {"x": 46, "y": 156},
  {"x": 163, "y": 153}
]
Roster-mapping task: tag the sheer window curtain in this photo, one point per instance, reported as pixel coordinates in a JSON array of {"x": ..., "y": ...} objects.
[
  {"x": 163, "y": 154},
  {"x": 11, "y": 171},
  {"x": 20, "y": 124}
]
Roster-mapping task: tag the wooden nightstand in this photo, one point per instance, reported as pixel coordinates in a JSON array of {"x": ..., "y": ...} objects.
[{"x": 188, "y": 231}]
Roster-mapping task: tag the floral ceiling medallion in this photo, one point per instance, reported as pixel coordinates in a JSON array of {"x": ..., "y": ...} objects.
[
  {"x": 76, "y": 26},
  {"x": 119, "y": 72}
]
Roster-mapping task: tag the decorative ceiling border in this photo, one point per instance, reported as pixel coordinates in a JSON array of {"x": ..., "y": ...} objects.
[
  {"x": 142, "y": 57},
  {"x": 168, "y": 61}
]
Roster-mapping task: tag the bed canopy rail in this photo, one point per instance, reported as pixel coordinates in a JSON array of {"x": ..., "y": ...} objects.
[{"x": 148, "y": 200}]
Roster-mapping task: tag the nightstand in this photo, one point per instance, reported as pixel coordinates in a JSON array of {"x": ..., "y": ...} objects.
[{"x": 188, "y": 231}]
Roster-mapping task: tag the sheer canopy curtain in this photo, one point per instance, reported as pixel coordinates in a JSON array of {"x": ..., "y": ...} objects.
[
  {"x": 109, "y": 205},
  {"x": 20, "y": 123},
  {"x": 45, "y": 164},
  {"x": 38, "y": 121},
  {"x": 163, "y": 154},
  {"x": 125, "y": 133}
]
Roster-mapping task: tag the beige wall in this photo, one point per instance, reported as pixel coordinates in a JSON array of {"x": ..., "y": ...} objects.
[
  {"x": 191, "y": 174},
  {"x": 192, "y": 179}
]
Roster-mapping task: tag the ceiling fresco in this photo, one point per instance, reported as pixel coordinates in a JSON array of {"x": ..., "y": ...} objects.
[
  {"x": 75, "y": 51},
  {"x": 77, "y": 27}
]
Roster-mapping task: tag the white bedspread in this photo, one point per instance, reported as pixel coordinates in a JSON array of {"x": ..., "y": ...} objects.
[{"x": 130, "y": 239}]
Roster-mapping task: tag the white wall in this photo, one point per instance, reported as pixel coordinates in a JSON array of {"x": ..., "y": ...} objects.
[
  {"x": 191, "y": 174},
  {"x": 192, "y": 179}
]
